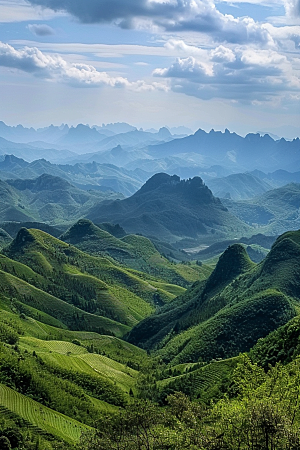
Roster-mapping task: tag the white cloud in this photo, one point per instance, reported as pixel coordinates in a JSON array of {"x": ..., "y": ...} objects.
[
  {"x": 269, "y": 3},
  {"x": 178, "y": 46},
  {"x": 101, "y": 50},
  {"x": 187, "y": 68},
  {"x": 54, "y": 67},
  {"x": 222, "y": 54},
  {"x": 240, "y": 74}
]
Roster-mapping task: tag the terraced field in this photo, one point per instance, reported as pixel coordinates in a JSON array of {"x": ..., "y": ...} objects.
[
  {"x": 63, "y": 347},
  {"x": 74, "y": 357},
  {"x": 172, "y": 289},
  {"x": 123, "y": 376},
  {"x": 40, "y": 416},
  {"x": 201, "y": 382}
]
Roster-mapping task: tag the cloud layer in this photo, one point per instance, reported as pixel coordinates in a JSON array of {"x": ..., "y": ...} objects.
[
  {"x": 240, "y": 74},
  {"x": 54, "y": 67},
  {"x": 233, "y": 58},
  {"x": 170, "y": 15}
]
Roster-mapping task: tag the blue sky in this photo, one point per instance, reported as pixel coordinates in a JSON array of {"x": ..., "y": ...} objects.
[{"x": 199, "y": 63}]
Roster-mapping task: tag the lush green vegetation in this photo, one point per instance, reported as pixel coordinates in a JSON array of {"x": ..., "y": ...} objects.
[
  {"x": 261, "y": 413},
  {"x": 172, "y": 209},
  {"x": 63, "y": 385},
  {"x": 80, "y": 291},
  {"x": 135, "y": 252},
  {"x": 238, "y": 304}
]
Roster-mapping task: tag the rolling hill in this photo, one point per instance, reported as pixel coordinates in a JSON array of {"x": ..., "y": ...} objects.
[
  {"x": 240, "y": 186},
  {"x": 87, "y": 176},
  {"x": 238, "y": 304},
  {"x": 133, "y": 251},
  {"x": 47, "y": 199},
  {"x": 274, "y": 211},
  {"x": 78, "y": 289}
]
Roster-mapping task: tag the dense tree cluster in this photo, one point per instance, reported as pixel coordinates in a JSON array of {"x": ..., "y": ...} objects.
[{"x": 262, "y": 412}]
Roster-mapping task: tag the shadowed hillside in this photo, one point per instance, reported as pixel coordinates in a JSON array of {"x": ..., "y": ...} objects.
[
  {"x": 170, "y": 209},
  {"x": 239, "y": 303}
]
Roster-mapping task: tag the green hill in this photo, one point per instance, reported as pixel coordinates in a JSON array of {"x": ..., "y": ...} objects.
[
  {"x": 239, "y": 186},
  {"x": 238, "y": 304},
  {"x": 43, "y": 419},
  {"x": 59, "y": 377},
  {"x": 274, "y": 211},
  {"x": 55, "y": 383},
  {"x": 132, "y": 251},
  {"x": 86, "y": 288},
  {"x": 47, "y": 198}
]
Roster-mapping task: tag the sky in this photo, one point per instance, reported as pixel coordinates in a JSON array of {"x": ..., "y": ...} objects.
[{"x": 199, "y": 63}]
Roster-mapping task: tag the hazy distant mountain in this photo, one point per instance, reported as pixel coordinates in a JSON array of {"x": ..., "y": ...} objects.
[
  {"x": 272, "y": 135},
  {"x": 21, "y": 134},
  {"x": 17, "y": 134},
  {"x": 170, "y": 209},
  {"x": 231, "y": 150},
  {"x": 117, "y": 156},
  {"x": 81, "y": 134},
  {"x": 30, "y": 152},
  {"x": 87, "y": 176},
  {"x": 47, "y": 198},
  {"x": 240, "y": 186},
  {"x": 132, "y": 139},
  {"x": 275, "y": 211},
  {"x": 279, "y": 177},
  {"x": 115, "y": 128},
  {"x": 180, "y": 130},
  {"x": 53, "y": 133}
]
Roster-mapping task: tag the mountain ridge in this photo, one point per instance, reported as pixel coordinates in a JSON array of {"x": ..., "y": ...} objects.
[{"x": 169, "y": 208}]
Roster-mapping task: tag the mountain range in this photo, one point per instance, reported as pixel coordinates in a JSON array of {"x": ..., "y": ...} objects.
[
  {"x": 274, "y": 211},
  {"x": 86, "y": 176},
  {"x": 229, "y": 150},
  {"x": 136, "y": 269},
  {"x": 65, "y": 313}
]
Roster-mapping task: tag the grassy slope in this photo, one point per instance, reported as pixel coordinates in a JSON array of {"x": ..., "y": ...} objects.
[
  {"x": 37, "y": 316},
  {"x": 136, "y": 252},
  {"x": 239, "y": 303},
  {"x": 60, "y": 355},
  {"x": 98, "y": 286},
  {"x": 73, "y": 357}
]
